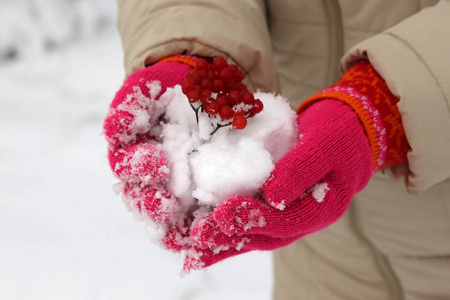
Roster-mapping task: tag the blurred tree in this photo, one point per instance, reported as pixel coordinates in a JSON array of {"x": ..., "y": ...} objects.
[{"x": 29, "y": 28}]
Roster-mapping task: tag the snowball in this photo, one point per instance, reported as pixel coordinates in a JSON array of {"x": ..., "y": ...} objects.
[
  {"x": 208, "y": 169},
  {"x": 221, "y": 169}
]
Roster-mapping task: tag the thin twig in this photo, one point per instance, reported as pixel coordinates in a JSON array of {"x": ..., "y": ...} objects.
[
  {"x": 196, "y": 112},
  {"x": 219, "y": 126}
]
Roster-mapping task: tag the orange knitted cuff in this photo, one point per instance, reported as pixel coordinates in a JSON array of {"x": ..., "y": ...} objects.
[
  {"x": 363, "y": 89},
  {"x": 186, "y": 59}
]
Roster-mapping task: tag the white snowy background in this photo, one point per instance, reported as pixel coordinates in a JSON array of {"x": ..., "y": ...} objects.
[{"x": 64, "y": 234}]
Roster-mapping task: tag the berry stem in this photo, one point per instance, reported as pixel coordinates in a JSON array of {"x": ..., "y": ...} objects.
[
  {"x": 218, "y": 127},
  {"x": 196, "y": 112}
]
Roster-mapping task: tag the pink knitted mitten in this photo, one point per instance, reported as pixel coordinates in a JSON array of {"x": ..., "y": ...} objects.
[
  {"x": 346, "y": 133},
  {"x": 331, "y": 162},
  {"x": 143, "y": 166}
]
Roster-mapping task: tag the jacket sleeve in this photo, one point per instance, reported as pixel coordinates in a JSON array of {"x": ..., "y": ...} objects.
[
  {"x": 236, "y": 29},
  {"x": 413, "y": 58}
]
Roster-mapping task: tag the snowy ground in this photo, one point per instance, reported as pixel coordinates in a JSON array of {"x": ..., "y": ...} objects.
[{"x": 64, "y": 234}]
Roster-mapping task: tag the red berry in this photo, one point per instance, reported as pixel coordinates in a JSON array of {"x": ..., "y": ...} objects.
[
  {"x": 233, "y": 68},
  {"x": 234, "y": 97},
  {"x": 212, "y": 107},
  {"x": 205, "y": 94},
  {"x": 205, "y": 100},
  {"x": 217, "y": 85},
  {"x": 203, "y": 73},
  {"x": 231, "y": 86},
  {"x": 211, "y": 75},
  {"x": 201, "y": 64},
  {"x": 187, "y": 86},
  {"x": 225, "y": 74},
  {"x": 222, "y": 100},
  {"x": 237, "y": 74},
  {"x": 194, "y": 95},
  {"x": 219, "y": 63},
  {"x": 248, "y": 98},
  {"x": 206, "y": 84},
  {"x": 194, "y": 77},
  {"x": 257, "y": 106},
  {"x": 226, "y": 112},
  {"x": 243, "y": 88},
  {"x": 239, "y": 121}
]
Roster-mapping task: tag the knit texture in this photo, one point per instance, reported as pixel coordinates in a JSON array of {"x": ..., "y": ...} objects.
[
  {"x": 141, "y": 166},
  {"x": 346, "y": 133},
  {"x": 332, "y": 148},
  {"x": 310, "y": 188},
  {"x": 367, "y": 93},
  {"x": 120, "y": 122},
  {"x": 185, "y": 59}
]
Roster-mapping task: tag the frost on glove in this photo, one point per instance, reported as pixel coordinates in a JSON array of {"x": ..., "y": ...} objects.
[
  {"x": 346, "y": 133},
  {"x": 134, "y": 110},
  {"x": 135, "y": 155}
]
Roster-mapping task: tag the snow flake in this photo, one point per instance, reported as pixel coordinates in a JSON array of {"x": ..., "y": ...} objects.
[
  {"x": 242, "y": 243},
  {"x": 256, "y": 219},
  {"x": 281, "y": 205},
  {"x": 319, "y": 191}
]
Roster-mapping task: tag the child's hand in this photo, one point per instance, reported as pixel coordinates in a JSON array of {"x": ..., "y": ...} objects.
[
  {"x": 310, "y": 188},
  {"x": 346, "y": 133},
  {"x": 135, "y": 155}
]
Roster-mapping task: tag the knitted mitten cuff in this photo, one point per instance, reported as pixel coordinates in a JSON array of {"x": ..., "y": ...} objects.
[
  {"x": 185, "y": 59},
  {"x": 363, "y": 89}
]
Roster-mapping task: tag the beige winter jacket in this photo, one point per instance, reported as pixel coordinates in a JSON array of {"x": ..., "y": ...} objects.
[{"x": 394, "y": 242}]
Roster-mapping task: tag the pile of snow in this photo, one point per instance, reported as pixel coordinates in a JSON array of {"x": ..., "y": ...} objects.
[
  {"x": 212, "y": 168},
  {"x": 207, "y": 169}
]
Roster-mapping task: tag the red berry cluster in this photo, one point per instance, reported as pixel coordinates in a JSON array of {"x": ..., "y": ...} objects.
[{"x": 219, "y": 90}]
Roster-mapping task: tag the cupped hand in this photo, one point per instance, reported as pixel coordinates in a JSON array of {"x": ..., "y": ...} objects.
[
  {"x": 134, "y": 153},
  {"x": 310, "y": 188}
]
